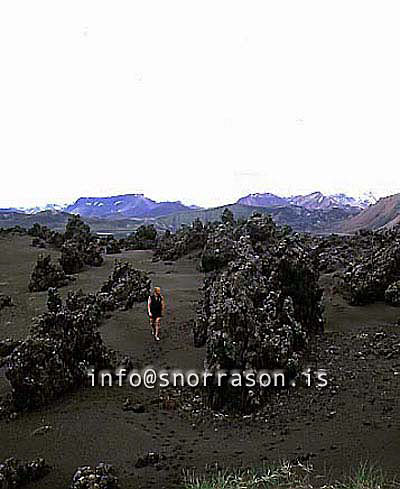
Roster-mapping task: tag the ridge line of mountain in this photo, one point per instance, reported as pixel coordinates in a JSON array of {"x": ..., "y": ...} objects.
[
  {"x": 312, "y": 213},
  {"x": 138, "y": 205},
  {"x": 383, "y": 214}
]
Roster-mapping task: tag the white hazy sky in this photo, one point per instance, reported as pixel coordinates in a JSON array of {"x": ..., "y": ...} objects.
[{"x": 199, "y": 101}]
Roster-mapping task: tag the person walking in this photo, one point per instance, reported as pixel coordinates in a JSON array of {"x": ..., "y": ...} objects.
[{"x": 156, "y": 309}]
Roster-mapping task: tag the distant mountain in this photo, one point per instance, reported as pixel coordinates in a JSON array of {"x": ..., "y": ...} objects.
[
  {"x": 315, "y": 200},
  {"x": 52, "y": 219},
  {"x": 384, "y": 214},
  {"x": 124, "y": 206},
  {"x": 10, "y": 210},
  {"x": 139, "y": 206},
  {"x": 34, "y": 210},
  {"x": 48, "y": 207},
  {"x": 318, "y": 200},
  {"x": 122, "y": 214},
  {"x": 262, "y": 200},
  {"x": 299, "y": 218}
]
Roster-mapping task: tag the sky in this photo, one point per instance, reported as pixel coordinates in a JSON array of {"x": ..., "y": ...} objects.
[{"x": 198, "y": 101}]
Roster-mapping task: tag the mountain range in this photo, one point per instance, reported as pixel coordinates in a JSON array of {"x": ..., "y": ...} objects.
[
  {"x": 315, "y": 200},
  {"x": 122, "y": 214},
  {"x": 139, "y": 206},
  {"x": 299, "y": 218}
]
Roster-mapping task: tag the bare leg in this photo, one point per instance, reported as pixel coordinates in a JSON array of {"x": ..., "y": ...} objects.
[
  {"x": 157, "y": 330},
  {"x": 152, "y": 326}
]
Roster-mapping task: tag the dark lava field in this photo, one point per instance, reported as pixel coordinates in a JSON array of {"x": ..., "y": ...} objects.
[{"x": 354, "y": 419}]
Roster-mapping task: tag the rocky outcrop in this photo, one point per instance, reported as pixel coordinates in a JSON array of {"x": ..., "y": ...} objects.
[
  {"x": 46, "y": 274},
  {"x": 5, "y": 301},
  {"x": 392, "y": 294},
  {"x": 15, "y": 474},
  {"x": 144, "y": 238},
  {"x": 100, "y": 477},
  {"x": 260, "y": 309},
  {"x": 55, "y": 356},
  {"x": 125, "y": 286},
  {"x": 366, "y": 281},
  {"x": 172, "y": 246}
]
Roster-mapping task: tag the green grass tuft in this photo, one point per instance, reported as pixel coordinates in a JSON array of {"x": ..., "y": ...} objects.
[{"x": 284, "y": 476}]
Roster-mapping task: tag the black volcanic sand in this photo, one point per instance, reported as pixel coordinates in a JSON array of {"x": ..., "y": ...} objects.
[{"x": 354, "y": 419}]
